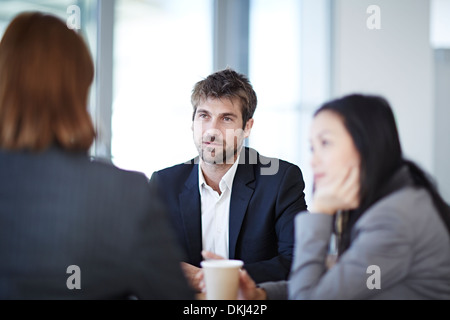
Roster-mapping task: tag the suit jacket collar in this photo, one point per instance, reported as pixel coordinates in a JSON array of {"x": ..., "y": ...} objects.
[
  {"x": 190, "y": 209},
  {"x": 243, "y": 189}
]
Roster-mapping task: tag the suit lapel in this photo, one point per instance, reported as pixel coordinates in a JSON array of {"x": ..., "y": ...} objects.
[
  {"x": 191, "y": 214},
  {"x": 242, "y": 192}
]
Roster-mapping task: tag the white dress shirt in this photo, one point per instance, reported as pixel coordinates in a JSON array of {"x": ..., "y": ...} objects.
[{"x": 216, "y": 212}]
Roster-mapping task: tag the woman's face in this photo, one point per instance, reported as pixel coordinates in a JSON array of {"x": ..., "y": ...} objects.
[{"x": 333, "y": 149}]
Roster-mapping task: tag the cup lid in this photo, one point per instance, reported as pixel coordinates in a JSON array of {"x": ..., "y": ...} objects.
[{"x": 222, "y": 263}]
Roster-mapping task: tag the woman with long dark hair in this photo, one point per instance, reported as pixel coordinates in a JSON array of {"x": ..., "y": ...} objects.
[{"x": 391, "y": 224}]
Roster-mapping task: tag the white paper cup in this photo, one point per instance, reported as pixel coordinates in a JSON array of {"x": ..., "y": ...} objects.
[{"x": 221, "y": 278}]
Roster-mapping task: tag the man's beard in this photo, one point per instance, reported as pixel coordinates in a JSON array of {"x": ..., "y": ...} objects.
[{"x": 217, "y": 154}]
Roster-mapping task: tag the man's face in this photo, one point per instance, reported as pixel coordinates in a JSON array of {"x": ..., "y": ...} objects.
[{"x": 217, "y": 128}]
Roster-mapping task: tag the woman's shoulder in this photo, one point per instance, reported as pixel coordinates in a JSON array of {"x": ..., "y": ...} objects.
[
  {"x": 408, "y": 212},
  {"x": 398, "y": 211},
  {"x": 408, "y": 199}
]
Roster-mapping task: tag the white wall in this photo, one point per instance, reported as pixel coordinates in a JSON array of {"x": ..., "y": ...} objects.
[
  {"x": 395, "y": 61},
  {"x": 442, "y": 117}
]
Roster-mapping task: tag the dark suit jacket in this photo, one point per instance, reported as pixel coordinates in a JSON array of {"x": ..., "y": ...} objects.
[
  {"x": 267, "y": 193},
  {"x": 59, "y": 209}
]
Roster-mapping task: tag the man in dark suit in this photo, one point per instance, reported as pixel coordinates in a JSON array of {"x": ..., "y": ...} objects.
[{"x": 230, "y": 201}]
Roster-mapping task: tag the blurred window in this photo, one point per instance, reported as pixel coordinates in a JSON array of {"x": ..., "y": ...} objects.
[
  {"x": 289, "y": 67},
  {"x": 161, "y": 49},
  {"x": 440, "y": 24}
]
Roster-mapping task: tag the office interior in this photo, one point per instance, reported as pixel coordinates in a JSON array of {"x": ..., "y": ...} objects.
[{"x": 297, "y": 54}]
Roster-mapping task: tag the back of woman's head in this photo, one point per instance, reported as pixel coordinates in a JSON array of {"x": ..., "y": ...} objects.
[
  {"x": 371, "y": 124},
  {"x": 45, "y": 74}
]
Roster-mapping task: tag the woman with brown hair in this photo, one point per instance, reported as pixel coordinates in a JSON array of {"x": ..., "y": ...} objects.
[
  {"x": 45, "y": 75},
  {"x": 70, "y": 227}
]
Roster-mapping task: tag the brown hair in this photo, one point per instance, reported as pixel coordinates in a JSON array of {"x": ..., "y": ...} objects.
[
  {"x": 45, "y": 74},
  {"x": 226, "y": 84}
]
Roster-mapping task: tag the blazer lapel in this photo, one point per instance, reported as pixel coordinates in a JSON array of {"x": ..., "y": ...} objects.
[
  {"x": 190, "y": 210},
  {"x": 242, "y": 192}
]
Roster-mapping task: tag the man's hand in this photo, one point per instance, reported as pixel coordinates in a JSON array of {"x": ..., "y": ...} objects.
[
  {"x": 190, "y": 273},
  {"x": 194, "y": 274},
  {"x": 207, "y": 255}
]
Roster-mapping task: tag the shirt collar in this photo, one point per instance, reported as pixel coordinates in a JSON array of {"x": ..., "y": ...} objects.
[{"x": 226, "y": 181}]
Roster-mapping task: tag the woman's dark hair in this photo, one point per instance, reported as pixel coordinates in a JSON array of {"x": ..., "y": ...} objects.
[{"x": 371, "y": 124}]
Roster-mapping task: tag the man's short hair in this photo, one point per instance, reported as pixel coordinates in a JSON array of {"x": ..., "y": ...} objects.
[{"x": 226, "y": 84}]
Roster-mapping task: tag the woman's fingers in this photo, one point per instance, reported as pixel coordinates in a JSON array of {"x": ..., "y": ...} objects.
[
  {"x": 341, "y": 193},
  {"x": 247, "y": 287},
  {"x": 349, "y": 191}
]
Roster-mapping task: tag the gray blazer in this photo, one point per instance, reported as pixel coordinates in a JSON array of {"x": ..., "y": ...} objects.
[
  {"x": 402, "y": 234},
  {"x": 60, "y": 209}
]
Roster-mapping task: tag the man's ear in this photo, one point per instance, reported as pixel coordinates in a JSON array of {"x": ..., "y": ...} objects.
[{"x": 248, "y": 128}]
